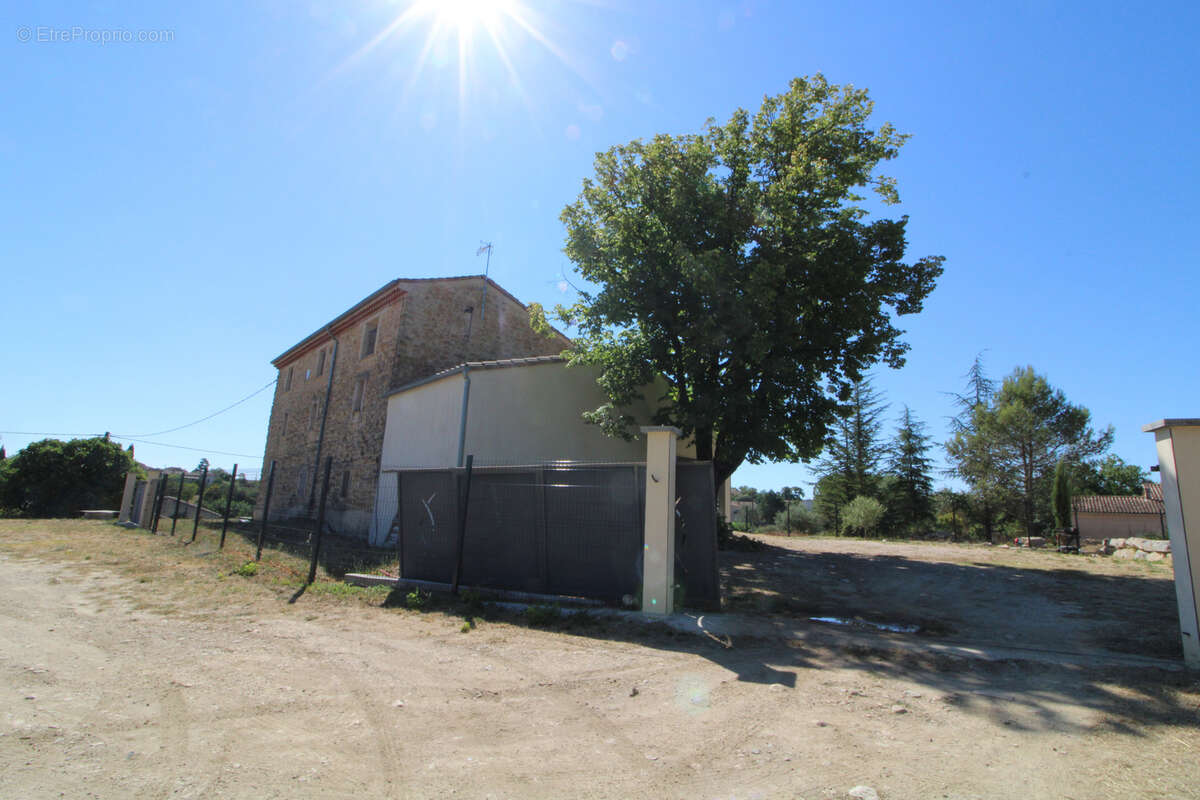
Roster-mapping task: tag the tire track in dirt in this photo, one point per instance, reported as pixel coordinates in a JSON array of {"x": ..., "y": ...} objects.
[
  {"x": 560, "y": 694},
  {"x": 173, "y": 722}
]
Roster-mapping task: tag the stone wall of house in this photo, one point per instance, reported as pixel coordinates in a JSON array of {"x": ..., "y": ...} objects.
[{"x": 419, "y": 332}]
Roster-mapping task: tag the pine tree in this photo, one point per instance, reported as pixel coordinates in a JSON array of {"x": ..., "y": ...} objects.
[
  {"x": 972, "y": 458},
  {"x": 1028, "y": 428},
  {"x": 850, "y": 463},
  {"x": 911, "y": 496}
]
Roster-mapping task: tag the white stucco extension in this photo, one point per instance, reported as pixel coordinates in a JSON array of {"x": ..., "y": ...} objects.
[{"x": 518, "y": 411}]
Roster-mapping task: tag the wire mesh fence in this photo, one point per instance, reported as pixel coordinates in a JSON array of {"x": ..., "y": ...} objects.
[{"x": 557, "y": 527}]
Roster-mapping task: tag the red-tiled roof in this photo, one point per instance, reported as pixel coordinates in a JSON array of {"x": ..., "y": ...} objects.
[
  {"x": 1152, "y": 490},
  {"x": 1118, "y": 504}
]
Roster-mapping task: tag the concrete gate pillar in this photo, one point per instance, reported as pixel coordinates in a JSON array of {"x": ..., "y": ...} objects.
[
  {"x": 127, "y": 497},
  {"x": 1178, "y": 442},
  {"x": 658, "y": 563},
  {"x": 146, "y": 518}
]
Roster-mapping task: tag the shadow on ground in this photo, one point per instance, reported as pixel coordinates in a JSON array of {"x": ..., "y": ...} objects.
[
  {"x": 1015, "y": 694},
  {"x": 1057, "y": 607}
]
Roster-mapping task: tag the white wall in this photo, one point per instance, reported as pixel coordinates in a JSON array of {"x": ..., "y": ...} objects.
[
  {"x": 532, "y": 413},
  {"x": 422, "y": 425},
  {"x": 516, "y": 415}
]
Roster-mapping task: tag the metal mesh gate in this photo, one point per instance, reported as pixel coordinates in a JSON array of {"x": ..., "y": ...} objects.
[{"x": 564, "y": 528}]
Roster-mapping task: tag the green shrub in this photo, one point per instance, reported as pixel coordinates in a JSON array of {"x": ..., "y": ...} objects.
[
  {"x": 862, "y": 516},
  {"x": 543, "y": 615}
]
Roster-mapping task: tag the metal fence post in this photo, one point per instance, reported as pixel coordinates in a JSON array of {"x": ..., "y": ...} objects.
[
  {"x": 199, "y": 503},
  {"x": 399, "y": 526},
  {"x": 462, "y": 526},
  {"x": 158, "y": 501},
  {"x": 316, "y": 548},
  {"x": 175, "y": 510},
  {"x": 228, "y": 505},
  {"x": 262, "y": 531}
]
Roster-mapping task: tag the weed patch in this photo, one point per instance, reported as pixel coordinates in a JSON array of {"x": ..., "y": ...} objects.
[{"x": 543, "y": 616}]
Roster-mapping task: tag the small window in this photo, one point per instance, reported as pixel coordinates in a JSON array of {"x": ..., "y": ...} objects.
[
  {"x": 345, "y": 483},
  {"x": 321, "y": 362},
  {"x": 370, "y": 334},
  {"x": 360, "y": 389},
  {"x": 314, "y": 412},
  {"x": 283, "y": 428},
  {"x": 287, "y": 384},
  {"x": 302, "y": 483},
  {"x": 307, "y": 374}
]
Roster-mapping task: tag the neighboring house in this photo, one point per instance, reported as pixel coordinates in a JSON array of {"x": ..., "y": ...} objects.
[
  {"x": 331, "y": 396},
  {"x": 1119, "y": 516}
]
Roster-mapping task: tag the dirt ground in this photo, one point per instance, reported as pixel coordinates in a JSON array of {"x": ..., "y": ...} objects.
[
  {"x": 1040, "y": 600},
  {"x": 133, "y": 667}
]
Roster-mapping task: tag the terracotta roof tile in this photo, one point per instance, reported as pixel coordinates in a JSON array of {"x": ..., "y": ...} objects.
[{"x": 1118, "y": 504}]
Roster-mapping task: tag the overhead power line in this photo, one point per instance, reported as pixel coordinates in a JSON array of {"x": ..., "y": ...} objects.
[
  {"x": 183, "y": 447},
  {"x": 205, "y": 419},
  {"x": 48, "y": 433},
  {"x": 131, "y": 439}
]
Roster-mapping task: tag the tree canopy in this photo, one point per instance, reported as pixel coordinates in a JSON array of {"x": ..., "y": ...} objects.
[
  {"x": 1020, "y": 434},
  {"x": 52, "y": 478},
  {"x": 1109, "y": 475},
  {"x": 740, "y": 265}
]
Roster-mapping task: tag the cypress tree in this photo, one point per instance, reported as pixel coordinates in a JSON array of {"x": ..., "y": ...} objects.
[{"x": 1060, "y": 495}]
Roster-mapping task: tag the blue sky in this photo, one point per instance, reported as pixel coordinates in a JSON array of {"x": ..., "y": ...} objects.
[{"x": 179, "y": 211}]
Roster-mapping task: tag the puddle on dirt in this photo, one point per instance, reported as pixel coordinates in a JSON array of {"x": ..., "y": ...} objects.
[{"x": 862, "y": 623}]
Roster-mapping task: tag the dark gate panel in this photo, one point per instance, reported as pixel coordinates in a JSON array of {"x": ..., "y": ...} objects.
[
  {"x": 594, "y": 518},
  {"x": 503, "y": 548},
  {"x": 557, "y": 528},
  {"x": 696, "y": 534},
  {"x": 428, "y": 523}
]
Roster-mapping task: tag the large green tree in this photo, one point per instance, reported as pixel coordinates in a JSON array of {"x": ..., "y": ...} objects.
[
  {"x": 1027, "y": 428},
  {"x": 52, "y": 478},
  {"x": 741, "y": 265}
]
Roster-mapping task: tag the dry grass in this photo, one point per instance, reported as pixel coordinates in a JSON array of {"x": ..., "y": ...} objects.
[{"x": 181, "y": 571}]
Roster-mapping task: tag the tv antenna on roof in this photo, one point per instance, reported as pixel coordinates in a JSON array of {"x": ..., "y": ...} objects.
[{"x": 484, "y": 247}]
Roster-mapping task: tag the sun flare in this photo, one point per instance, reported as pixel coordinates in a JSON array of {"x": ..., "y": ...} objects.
[
  {"x": 482, "y": 39},
  {"x": 464, "y": 16}
]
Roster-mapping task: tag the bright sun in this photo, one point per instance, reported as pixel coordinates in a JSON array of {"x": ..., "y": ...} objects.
[
  {"x": 466, "y": 15},
  {"x": 466, "y": 26}
]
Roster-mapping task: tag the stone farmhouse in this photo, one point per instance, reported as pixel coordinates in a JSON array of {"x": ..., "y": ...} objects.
[{"x": 331, "y": 398}]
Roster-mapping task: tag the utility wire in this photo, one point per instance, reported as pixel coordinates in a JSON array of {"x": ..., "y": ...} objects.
[
  {"x": 182, "y": 447},
  {"x": 131, "y": 439},
  {"x": 204, "y": 419},
  {"x": 48, "y": 433}
]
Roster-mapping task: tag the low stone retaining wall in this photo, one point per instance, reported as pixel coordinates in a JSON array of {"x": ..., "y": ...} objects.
[{"x": 1137, "y": 548}]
